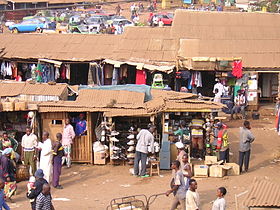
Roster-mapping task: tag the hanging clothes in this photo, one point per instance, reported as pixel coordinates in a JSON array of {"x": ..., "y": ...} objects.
[
  {"x": 237, "y": 69},
  {"x": 33, "y": 72},
  {"x": 39, "y": 73},
  {"x": 57, "y": 74},
  {"x": 62, "y": 71},
  {"x": 140, "y": 77},
  {"x": 67, "y": 71},
  {"x": 196, "y": 79},
  {"x": 9, "y": 69},
  {"x": 91, "y": 74},
  {"x": 3, "y": 69},
  {"x": 115, "y": 79},
  {"x": 14, "y": 69}
]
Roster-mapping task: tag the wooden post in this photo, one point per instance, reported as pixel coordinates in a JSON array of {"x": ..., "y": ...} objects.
[{"x": 89, "y": 135}]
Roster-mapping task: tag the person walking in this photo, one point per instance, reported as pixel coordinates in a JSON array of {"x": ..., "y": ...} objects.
[
  {"x": 44, "y": 199},
  {"x": 220, "y": 202},
  {"x": 46, "y": 156},
  {"x": 246, "y": 139},
  {"x": 144, "y": 138},
  {"x": 178, "y": 187},
  {"x": 40, "y": 181},
  {"x": 58, "y": 153},
  {"x": 192, "y": 197},
  {"x": 29, "y": 143},
  {"x": 67, "y": 140}
]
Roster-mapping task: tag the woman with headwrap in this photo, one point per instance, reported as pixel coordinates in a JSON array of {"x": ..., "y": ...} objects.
[{"x": 7, "y": 173}]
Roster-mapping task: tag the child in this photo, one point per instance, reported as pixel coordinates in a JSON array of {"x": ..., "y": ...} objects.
[
  {"x": 3, "y": 203},
  {"x": 220, "y": 202},
  {"x": 30, "y": 186}
]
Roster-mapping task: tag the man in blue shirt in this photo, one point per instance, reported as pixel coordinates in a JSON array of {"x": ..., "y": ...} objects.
[{"x": 81, "y": 125}]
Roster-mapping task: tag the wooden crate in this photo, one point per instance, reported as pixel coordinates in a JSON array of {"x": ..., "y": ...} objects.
[
  {"x": 210, "y": 160},
  {"x": 234, "y": 170},
  {"x": 8, "y": 106},
  {"x": 20, "y": 105},
  {"x": 217, "y": 171},
  {"x": 99, "y": 158},
  {"x": 200, "y": 170}
]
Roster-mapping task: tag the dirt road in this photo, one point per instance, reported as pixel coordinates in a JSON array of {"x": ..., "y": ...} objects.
[{"x": 92, "y": 187}]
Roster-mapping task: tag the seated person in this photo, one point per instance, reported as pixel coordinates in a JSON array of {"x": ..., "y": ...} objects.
[{"x": 239, "y": 104}]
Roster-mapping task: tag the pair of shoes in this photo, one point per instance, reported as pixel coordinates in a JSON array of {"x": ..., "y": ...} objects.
[
  {"x": 130, "y": 143},
  {"x": 114, "y": 133},
  {"x": 130, "y": 149},
  {"x": 145, "y": 176},
  {"x": 131, "y": 136},
  {"x": 114, "y": 139},
  {"x": 58, "y": 187},
  {"x": 130, "y": 155}
]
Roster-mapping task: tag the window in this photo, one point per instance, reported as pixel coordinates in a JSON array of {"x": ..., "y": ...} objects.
[{"x": 56, "y": 122}]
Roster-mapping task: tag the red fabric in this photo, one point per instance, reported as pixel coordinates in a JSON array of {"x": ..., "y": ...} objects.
[
  {"x": 237, "y": 69},
  {"x": 140, "y": 77},
  {"x": 220, "y": 137}
]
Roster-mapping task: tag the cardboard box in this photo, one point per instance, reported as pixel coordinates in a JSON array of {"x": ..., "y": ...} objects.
[
  {"x": 200, "y": 170},
  {"x": 210, "y": 160},
  {"x": 99, "y": 158},
  {"x": 234, "y": 170}
]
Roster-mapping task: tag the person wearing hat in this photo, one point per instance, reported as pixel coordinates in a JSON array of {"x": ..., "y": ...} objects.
[
  {"x": 239, "y": 104},
  {"x": 40, "y": 181},
  {"x": 7, "y": 173},
  {"x": 181, "y": 152}
]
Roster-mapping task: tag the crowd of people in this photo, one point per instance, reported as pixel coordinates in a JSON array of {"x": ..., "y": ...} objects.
[
  {"x": 47, "y": 155},
  {"x": 184, "y": 188}
]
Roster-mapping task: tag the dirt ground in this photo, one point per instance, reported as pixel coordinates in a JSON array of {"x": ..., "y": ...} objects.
[{"x": 92, "y": 187}]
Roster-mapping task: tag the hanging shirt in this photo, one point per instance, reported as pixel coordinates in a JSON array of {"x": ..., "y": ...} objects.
[
  {"x": 237, "y": 69},
  {"x": 140, "y": 77}
]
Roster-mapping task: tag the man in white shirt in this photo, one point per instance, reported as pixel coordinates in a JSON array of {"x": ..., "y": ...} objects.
[
  {"x": 220, "y": 202},
  {"x": 239, "y": 104},
  {"x": 28, "y": 153},
  {"x": 144, "y": 138},
  {"x": 192, "y": 197},
  {"x": 220, "y": 87},
  {"x": 46, "y": 156}
]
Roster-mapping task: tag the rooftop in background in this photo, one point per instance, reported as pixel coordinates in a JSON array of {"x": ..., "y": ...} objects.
[
  {"x": 63, "y": 47},
  {"x": 225, "y": 25}
]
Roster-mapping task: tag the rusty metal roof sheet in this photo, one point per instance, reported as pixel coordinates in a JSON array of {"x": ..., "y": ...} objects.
[
  {"x": 263, "y": 193},
  {"x": 11, "y": 88},
  {"x": 44, "y": 89},
  {"x": 110, "y": 98}
]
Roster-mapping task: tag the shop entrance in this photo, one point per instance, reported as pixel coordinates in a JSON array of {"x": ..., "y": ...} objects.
[
  {"x": 79, "y": 74},
  {"x": 268, "y": 86},
  {"x": 208, "y": 82}
]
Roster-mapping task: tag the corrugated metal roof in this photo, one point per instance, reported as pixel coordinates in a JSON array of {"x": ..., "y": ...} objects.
[
  {"x": 25, "y": 88},
  {"x": 11, "y": 89},
  {"x": 263, "y": 193},
  {"x": 191, "y": 105},
  {"x": 110, "y": 98},
  {"x": 126, "y": 112},
  {"x": 44, "y": 89}
]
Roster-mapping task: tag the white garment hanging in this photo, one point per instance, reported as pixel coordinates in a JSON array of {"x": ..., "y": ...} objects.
[
  {"x": 9, "y": 69},
  {"x": 67, "y": 71},
  {"x": 3, "y": 69},
  {"x": 198, "y": 79},
  {"x": 57, "y": 74}
]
